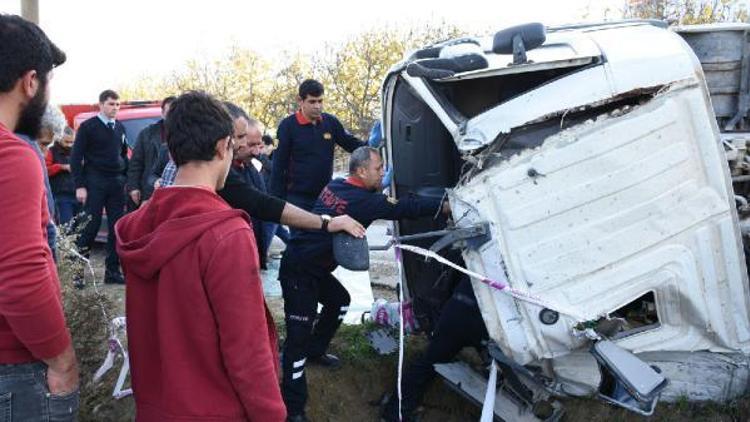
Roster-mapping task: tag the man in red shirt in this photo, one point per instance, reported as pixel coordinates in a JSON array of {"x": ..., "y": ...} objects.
[
  {"x": 38, "y": 369},
  {"x": 202, "y": 342}
]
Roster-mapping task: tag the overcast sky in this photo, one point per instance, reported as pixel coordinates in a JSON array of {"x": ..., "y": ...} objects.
[{"x": 112, "y": 42}]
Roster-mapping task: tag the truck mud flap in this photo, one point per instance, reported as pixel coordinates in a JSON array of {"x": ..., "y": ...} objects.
[{"x": 508, "y": 407}]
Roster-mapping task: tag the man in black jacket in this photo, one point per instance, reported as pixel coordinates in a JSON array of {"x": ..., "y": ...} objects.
[
  {"x": 99, "y": 162},
  {"x": 244, "y": 128},
  {"x": 145, "y": 155}
]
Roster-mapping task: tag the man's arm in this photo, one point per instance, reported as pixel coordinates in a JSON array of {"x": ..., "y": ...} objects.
[
  {"x": 28, "y": 300},
  {"x": 279, "y": 173},
  {"x": 234, "y": 289},
  {"x": 62, "y": 372},
  {"x": 298, "y": 218},
  {"x": 136, "y": 167},
  {"x": 160, "y": 163},
  {"x": 241, "y": 195},
  {"x": 345, "y": 139},
  {"x": 380, "y": 206}
]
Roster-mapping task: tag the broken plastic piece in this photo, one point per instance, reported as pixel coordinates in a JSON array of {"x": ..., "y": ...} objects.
[
  {"x": 115, "y": 347},
  {"x": 627, "y": 380},
  {"x": 382, "y": 341}
]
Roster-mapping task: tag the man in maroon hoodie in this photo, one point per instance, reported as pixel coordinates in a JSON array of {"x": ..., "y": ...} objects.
[
  {"x": 38, "y": 370},
  {"x": 202, "y": 342}
]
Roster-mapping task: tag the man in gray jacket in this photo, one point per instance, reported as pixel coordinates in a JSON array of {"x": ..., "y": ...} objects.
[{"x": 150, "y": 141}]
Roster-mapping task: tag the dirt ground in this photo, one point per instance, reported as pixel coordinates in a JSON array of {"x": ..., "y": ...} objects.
[{"x": 351, "y": 392}]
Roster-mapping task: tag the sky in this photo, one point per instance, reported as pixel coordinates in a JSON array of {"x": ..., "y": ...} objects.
[{"x": 110, "y": 43}]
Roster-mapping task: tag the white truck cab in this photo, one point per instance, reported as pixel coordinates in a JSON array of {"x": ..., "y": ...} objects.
[{"x": 591, "y": 158}]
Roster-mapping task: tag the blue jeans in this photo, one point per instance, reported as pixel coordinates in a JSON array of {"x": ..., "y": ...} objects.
[
  {"x": 24, "y": 396},
  {"x": 67, "y": 207}
]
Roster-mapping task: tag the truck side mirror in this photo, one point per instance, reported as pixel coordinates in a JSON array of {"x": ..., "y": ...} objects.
[{"x": 518, "y": 39}]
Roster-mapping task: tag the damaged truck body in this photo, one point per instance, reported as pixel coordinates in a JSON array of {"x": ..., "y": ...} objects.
[{"x": 591, "y": 159}]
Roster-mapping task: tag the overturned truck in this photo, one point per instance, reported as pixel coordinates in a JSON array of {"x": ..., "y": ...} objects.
[{"x": 585, "y": 169}]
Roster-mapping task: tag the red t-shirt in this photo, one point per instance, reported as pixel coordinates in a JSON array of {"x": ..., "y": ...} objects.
[{"x": 32, "y": 324}]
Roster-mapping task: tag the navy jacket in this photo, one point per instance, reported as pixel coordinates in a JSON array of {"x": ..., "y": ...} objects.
[
  {"x": 346, "y": 196},
  {"x": 303, "y": 162},
  {"x": 144, "y": 159},
  {"x": 98, "y": 150}
]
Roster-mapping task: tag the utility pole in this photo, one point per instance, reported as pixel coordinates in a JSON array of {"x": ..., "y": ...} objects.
[{"x": 30, "y": 10}]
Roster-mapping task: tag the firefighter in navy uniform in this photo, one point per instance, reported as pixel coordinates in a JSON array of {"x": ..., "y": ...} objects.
[
  {"x": 303, "y": 161},
  {"x": 305, "y": 271}
]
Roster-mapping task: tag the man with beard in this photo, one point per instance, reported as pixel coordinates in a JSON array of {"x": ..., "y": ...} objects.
[
  {"x": 99, "y": 162},
  {"x": 38, "y": 369},
  {"x": 244, "y": 128}
]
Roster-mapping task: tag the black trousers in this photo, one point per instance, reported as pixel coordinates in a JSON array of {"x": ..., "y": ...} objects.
[
  {"x": 303, "y": 287},
  {"x": 104, "y": 193},
  {"x": 460, "y": 325}
]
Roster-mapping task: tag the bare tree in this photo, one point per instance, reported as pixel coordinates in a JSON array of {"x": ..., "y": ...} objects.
[
  {"x": 351, "y": 71},
  {"x": 687, "y": 12}
]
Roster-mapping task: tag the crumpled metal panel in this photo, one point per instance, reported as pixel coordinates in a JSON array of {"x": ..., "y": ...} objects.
[
  {"x": 618, "y": 207},
  {"x": 628, "y": 66}
]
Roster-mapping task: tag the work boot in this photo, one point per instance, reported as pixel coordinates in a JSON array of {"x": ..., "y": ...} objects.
[
  {"x": 297, "y": 418},
  {"x": 112, "y": 277},
  {"x": 78, "y": 282},
  {"x": 326, "y": 359},
  {"x": 389, "y": 410}
]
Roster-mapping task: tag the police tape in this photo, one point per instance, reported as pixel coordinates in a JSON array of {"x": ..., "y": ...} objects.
[
  {"x": 400, "y": 374},
  {"x": 501, "y": 286},
  {"x": 114, "y": 345}
]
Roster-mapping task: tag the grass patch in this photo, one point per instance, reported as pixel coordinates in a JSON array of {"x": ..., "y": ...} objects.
[{"x": 352, "y": 344}]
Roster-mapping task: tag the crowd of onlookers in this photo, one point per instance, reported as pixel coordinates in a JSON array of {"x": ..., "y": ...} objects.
[
  {"x": 191, "y": 211},
  {"x": 145, "y": 165}
]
